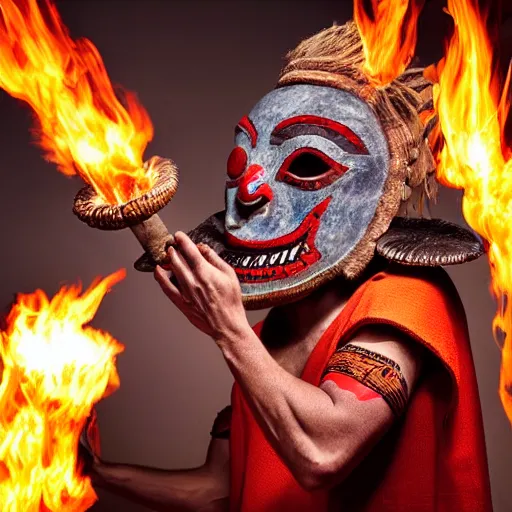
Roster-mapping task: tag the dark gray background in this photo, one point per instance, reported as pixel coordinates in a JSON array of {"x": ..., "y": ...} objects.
[{"x": 198, "y": 67}]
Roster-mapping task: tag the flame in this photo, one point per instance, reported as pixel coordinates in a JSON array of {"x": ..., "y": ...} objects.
[
  {"x": 55, "y": 368},
  {"x": 472, "y": 113},
  {"x": 389, "y": 37},
  {"x": 82, "y": 126}
]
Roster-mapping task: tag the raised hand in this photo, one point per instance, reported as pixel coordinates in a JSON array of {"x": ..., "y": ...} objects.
[{"x": 207, "y": 290}]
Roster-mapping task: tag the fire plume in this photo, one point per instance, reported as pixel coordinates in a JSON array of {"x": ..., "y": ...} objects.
[
  {"x": 82, "y": 125},
  {"x": 55, "y": 368},
  {"x": 473, "y": 107},
  {"x": 389, "y": 36}
]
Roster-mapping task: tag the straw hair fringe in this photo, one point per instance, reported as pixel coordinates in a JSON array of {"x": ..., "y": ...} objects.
[{"x": 334, "y": 57}]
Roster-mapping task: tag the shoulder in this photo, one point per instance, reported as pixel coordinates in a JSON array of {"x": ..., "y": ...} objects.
[
  {"x": 410, "y": 294},
  {"x": 419, "y": 303},
  {"x": 409, "y": 278}
]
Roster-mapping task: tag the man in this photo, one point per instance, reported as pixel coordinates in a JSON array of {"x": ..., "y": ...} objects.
[{"x": 358, "y": 391}]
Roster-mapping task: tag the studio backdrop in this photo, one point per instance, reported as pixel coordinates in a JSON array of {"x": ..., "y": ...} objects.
[{"x": 197, "y": 66}]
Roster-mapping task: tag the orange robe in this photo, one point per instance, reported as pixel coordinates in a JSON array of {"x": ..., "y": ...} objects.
[{"x": 433, "y": 459}]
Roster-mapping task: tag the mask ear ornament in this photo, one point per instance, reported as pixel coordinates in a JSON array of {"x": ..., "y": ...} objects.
[{"x": 428, "y": 243}]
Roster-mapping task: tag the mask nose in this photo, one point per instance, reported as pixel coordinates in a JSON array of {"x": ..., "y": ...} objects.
[{"x": 253, "y": 192}]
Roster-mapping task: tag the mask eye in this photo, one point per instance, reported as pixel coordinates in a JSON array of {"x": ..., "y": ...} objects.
[
  {"x": 237, "y": 163},
  {"x": 308, "y": 165},
  {"x": 310, "y": 169}
]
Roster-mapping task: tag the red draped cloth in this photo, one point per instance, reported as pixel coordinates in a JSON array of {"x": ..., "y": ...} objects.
[{"x": 433, "y": 459}]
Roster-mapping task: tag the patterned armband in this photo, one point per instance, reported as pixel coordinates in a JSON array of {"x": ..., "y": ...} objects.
[
  {"x": 222, "y": 424},
  {"x": 373, "y": 370}
]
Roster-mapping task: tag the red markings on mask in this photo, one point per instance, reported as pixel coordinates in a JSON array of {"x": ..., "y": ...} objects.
[
  {"x": 237, "y": 162},
  {"x": 333, "y": 131},
  {"x": 347, "y": 383},
  {"x": 248, "y": 127},
  {"x": 308, "y": 227},
  {"x": 251, "y": 187},
  {"x": 285, "y": 256}
]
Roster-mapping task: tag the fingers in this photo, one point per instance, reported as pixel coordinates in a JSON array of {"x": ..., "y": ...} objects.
[
  {"x": 192, "y": 265},
  {"x": 188, "y": 250},
  {"x": 168, "y": 287},
  {"x": 185, "y": 276},
  {"x": 93, "y": 432},
  {"x": 89, "y": 436},
  {"x": 213, "y": 258}
]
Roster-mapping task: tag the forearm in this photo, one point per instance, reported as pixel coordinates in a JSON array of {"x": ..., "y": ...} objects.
[
  {"x": 160, "y": 490},
  {"x": 297, "y": 417}
]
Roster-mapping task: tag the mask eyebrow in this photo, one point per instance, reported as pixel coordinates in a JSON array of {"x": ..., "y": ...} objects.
[
  {"x": 331, "y": 130},
  {"x": 246, "y": 125}
]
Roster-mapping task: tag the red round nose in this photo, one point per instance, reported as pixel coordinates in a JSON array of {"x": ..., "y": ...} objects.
[{"x": 252, "y": 187}]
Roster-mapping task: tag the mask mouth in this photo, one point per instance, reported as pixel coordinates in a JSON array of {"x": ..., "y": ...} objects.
[{"x": 270, "y": 260}]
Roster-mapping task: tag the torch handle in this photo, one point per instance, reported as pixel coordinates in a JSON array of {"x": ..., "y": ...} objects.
[{"x": 154, "y": 238}]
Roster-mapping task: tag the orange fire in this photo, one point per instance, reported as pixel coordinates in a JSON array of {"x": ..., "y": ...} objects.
[
  {"x": 389, "y": 36},
  {"x": 82, "y": 125},
  {"x": 55, "y": 368},
  {"x": 472, "y": 113}
]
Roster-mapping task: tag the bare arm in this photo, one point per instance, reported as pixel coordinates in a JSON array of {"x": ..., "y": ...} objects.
[
  {"x": 319, "y": 432},
  {"x": 205, "y": 488}
]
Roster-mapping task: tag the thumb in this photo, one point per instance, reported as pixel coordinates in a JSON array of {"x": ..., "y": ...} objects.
[{"x": 90, "y": 437}]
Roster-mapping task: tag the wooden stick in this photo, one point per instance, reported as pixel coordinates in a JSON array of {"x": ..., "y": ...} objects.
[{"x": 154, "y": 238}]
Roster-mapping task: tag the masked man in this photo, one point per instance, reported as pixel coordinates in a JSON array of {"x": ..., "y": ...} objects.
[{"x": 358, "y": 390}]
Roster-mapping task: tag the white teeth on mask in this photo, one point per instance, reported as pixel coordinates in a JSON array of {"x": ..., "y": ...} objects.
[
  {"x": 274, "y": 257},
  {"x": 269, "y": 259},
  {"x": 294, "y": 252},
  {"x": 252, "y": 262}
]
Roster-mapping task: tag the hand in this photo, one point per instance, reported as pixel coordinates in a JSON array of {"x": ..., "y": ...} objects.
[
  {"x": 89, "y": 446},
  {"x": 208, "y": 291}
]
